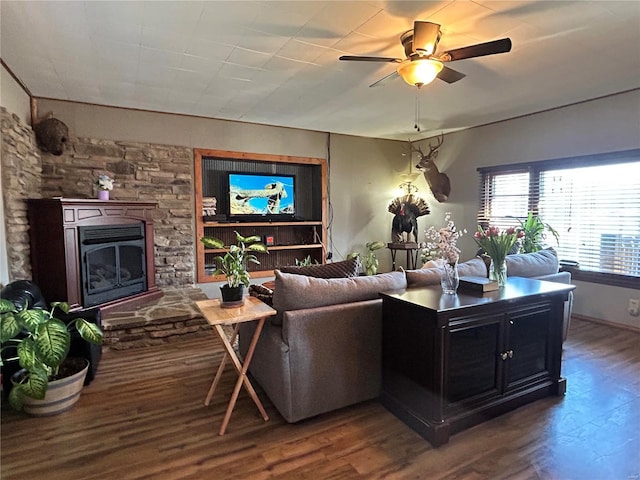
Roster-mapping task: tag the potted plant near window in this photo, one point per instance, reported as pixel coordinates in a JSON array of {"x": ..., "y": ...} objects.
[
  {"x": 233, "y": 265},
  {"x": 49, "y": 382},
  {"x": 534, "y": 234}
]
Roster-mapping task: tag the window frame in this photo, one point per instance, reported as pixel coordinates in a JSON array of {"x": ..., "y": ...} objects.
[{"x": 534, "y": 169}]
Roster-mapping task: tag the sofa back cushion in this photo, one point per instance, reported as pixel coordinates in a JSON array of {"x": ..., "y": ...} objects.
[
  {"x": 431, "y": 276},
  {"x": 343, "y": 269},
  {"x": 535, "y": 264},
  {"x": 296, "y": 292}
]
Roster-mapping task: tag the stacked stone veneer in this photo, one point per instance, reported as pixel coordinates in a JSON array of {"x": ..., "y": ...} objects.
[
  {"x": 170, "y": 318},
  {"x": 21, "y": 179},
  {"x": 142, "y": 171}
]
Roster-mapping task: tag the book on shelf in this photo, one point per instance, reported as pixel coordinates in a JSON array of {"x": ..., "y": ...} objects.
[{"x": 479, "y": 284}]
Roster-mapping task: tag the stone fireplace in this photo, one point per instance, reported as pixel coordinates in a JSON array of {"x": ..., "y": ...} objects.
[
  {"x": 93, "y": 252},
  {"x": 143, "y": 173}
]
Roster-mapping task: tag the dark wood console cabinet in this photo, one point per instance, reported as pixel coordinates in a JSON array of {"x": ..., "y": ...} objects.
[
  {"x": 55, "y": 253},
  {"x": 452, "y": 361}
]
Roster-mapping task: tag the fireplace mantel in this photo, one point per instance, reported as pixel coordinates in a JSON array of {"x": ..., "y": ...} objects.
[{"x": 55, "y": 258}]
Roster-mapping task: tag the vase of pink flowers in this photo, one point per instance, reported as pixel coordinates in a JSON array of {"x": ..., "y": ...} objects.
[
  {"x": 442, "y": 243},
  {"x": 497, "y": 245}
]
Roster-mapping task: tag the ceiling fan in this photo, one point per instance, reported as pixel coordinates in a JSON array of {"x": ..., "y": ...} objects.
[{"x": 422, "y": 64}]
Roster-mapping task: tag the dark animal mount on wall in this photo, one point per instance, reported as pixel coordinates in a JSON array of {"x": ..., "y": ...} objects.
[
  {"x": 51, "y": 134},
  {"x": 406, "y": 209},
  {"x": 439, "y": 183}
]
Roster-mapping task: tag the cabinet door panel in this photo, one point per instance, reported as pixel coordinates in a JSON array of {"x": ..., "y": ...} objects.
[
  {"x": 472, "y": 361},
  {"x": 529, "y": 342}
]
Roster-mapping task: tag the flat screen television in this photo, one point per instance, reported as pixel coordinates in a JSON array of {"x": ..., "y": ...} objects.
[{"x": 260, "y": 195}]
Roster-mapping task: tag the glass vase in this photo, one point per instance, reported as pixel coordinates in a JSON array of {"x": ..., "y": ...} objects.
[
  {"x": 498, "y": 272},
  {"x": 449, "y": 278},
  {"x": 103, "y": 194}
]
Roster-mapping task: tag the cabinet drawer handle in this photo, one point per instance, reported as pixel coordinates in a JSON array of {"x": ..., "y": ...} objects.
[{"x": 507, "y": 354}]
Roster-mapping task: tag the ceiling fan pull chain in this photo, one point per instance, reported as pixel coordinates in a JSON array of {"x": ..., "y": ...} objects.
[{"x": 416, "y": 126}]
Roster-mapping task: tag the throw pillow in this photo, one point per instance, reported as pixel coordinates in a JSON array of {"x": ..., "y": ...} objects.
[
  {"x": 262, "y": 293},
  {"x": 296, "y": 292},
  {"x": 343, "y": 269}
]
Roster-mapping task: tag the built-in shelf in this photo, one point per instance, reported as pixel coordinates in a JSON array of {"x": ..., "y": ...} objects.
[{"x": 293, "y": 241}]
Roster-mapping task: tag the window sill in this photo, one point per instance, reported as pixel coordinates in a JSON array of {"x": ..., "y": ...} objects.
[{"x": 614, "y": 280}]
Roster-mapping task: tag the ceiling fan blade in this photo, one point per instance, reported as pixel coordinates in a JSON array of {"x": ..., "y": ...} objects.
[
  {"x": 450, "y": 75},
  {"x": 426, "y": 36},
  {"x": 383, "y": 80},
  {"x": 480, "y": 50},
  {"x": 352, "y": 58}
]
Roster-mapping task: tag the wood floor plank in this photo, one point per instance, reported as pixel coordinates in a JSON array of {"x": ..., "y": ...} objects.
[{"x": 143, "y": 417}]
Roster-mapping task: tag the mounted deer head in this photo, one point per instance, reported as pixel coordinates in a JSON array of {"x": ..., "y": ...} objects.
[{"x": 439, "y": 183}]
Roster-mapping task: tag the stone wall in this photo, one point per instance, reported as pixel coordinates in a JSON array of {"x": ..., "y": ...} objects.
[
  {"x": 21, "y": 179},
  {"x": 141, "y": 171}
]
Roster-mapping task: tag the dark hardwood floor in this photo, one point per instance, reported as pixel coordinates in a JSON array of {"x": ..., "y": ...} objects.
[{"x": 143, "y": 418}]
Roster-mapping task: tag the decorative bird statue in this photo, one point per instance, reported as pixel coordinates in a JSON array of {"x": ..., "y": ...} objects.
[{"x": 406, "y": 209}]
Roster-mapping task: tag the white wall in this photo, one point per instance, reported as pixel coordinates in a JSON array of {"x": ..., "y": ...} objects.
[
  {"x": 364, "y": 177},
  {"x": 13, "y": 97},
  {"x": 16, "y": 101},
  {"x": 598, "y": 126}
]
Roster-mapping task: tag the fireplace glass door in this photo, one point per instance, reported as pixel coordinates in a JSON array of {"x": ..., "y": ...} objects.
[{"x": 113, "y": 262}]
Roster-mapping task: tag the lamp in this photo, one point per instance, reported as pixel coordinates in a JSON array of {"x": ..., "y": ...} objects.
[
  {"x": 407, "y": 187},
  {"x": 419, "y": 71}
]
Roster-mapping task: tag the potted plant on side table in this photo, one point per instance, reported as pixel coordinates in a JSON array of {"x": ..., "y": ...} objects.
[
  {"x": 233, "y": 265},
  {"x": 49, "y": 382}
]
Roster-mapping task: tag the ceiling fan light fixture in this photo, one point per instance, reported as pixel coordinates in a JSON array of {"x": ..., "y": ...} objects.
[
  {"x": 420, "y": 71},
  {"x": 426, "y": 36}
]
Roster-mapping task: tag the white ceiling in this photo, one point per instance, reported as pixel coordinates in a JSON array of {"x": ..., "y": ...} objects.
[{"x": 276, "y": 62}]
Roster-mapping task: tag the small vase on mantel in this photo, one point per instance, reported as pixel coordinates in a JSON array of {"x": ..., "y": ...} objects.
[
  {"x": 449, "y": 278},
  {"x": 498, "y": 272},
  {"x": 103, "y": 194}
]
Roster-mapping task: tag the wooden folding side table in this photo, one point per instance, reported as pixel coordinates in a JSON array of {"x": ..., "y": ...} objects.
[{"x": 216, "y": 316}]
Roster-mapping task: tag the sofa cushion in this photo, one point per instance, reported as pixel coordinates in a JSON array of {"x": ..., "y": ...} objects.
[
  {"x": 296, "y": 292},
  {"x": 343, "y": 269},
  {"x": 535, "y": 264},
  {"x": 431, "y": 276}
]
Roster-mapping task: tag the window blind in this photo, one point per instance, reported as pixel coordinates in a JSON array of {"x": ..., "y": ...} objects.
[{"x": 593, "y": 205}]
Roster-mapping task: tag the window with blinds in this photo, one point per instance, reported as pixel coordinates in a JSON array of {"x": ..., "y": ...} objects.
[{"x": 592, "y": 202}]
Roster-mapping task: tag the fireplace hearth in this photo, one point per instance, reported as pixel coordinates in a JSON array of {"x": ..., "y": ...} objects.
[{"x": 93, "y": 252}]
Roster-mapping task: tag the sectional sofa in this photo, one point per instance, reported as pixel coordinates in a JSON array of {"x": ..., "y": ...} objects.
[{"x": 322, "y": 351}]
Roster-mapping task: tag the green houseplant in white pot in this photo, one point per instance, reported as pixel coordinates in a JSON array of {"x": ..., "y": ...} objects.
[
  {"x": 233, "y": 265},
  {"x": 41, "y": 342}
]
